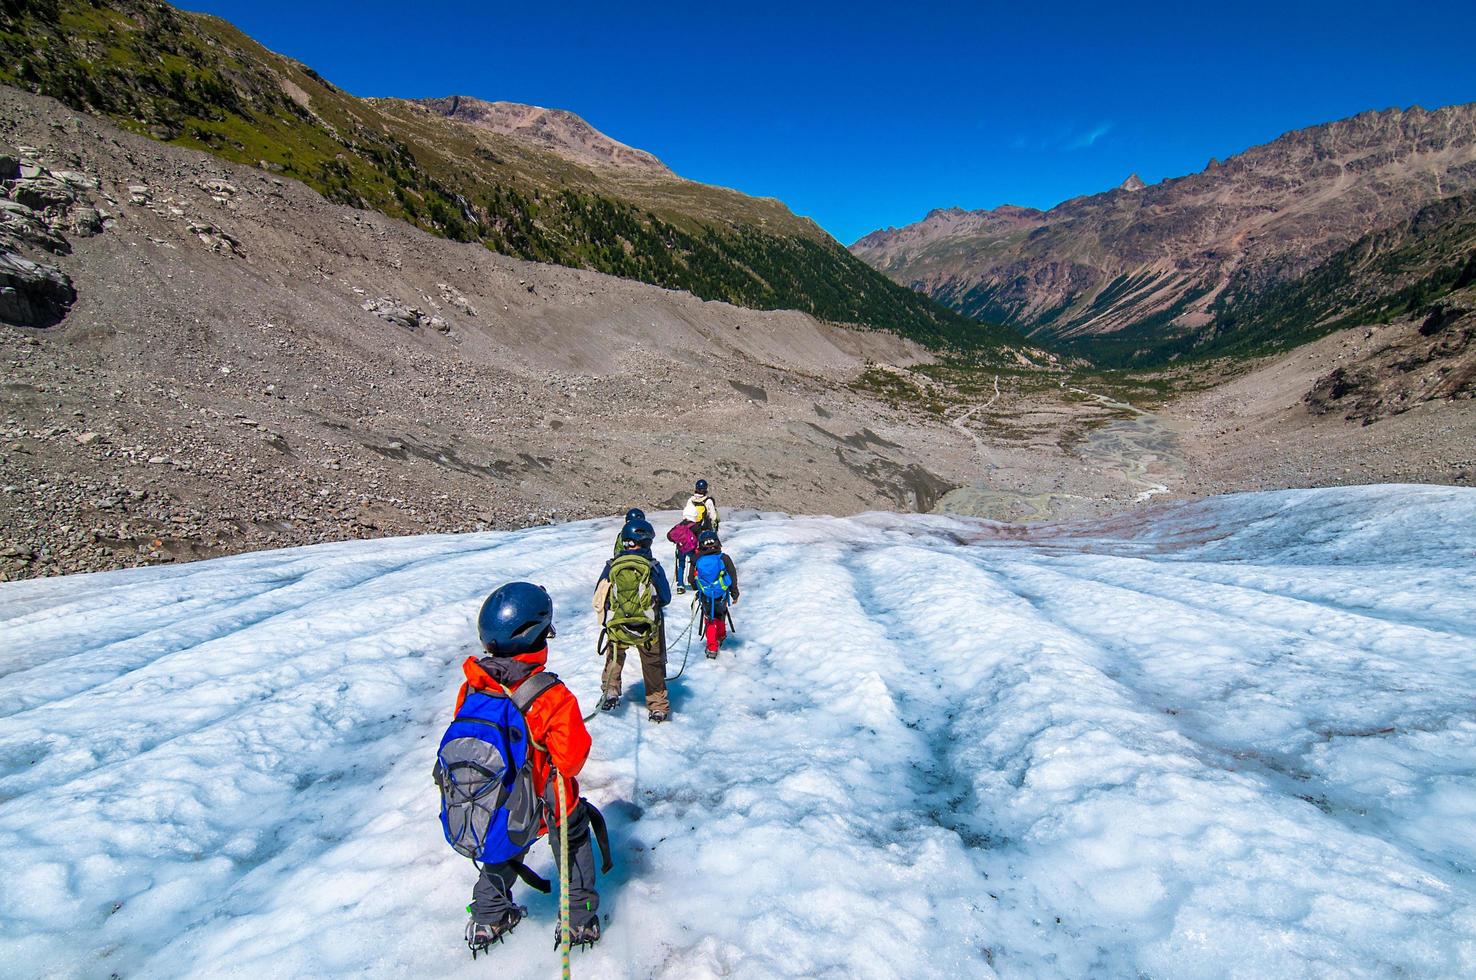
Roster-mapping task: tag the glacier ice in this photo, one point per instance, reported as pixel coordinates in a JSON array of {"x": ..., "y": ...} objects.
[{"x": 1228, "y": 738}]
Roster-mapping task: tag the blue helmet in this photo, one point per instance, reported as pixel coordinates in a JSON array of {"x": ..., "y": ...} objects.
[
  {"x": 639, "y": 533},
  {"x": 517, "y": 618},
  {"x": 635, "y": 514},
  {"x": 708, "y": 541},
  {"x": 701, "y": 486}
]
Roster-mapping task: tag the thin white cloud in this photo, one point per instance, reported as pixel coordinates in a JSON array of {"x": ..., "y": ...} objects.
[
  {"x": 1064, "y": 137},
  {"x": 1089, "y": 138}
]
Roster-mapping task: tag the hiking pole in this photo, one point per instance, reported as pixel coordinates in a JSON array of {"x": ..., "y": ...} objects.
[{"x": 564, "y": 936}]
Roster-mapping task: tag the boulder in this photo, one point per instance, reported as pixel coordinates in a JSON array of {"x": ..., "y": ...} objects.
[
  {"x": 393, "y": 312},
  {"x": 39, "y": 193},
  {"x": 31, "y": 294},
  {"x": 217, "y": 240},
  {"x": 20, "y": 225},
  {"x": 86, "y": 222},
  {"x": 76, "y": 178}
]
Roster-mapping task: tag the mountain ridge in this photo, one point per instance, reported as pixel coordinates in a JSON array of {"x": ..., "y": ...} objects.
[
  {"x": 559, "y": 130},
  {"x": 1151, "y": 263},
  {"x": 197, "y": 81}
]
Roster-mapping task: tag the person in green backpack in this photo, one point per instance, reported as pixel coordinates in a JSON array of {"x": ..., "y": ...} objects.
[
  {"x": 629, "y": 599},
  {"x": 634, "y": 514}
]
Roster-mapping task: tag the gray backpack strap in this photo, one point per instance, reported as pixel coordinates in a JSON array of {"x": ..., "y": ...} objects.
[{"x": 530, "y": 689}]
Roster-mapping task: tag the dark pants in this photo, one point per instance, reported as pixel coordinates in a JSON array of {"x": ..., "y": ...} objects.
[
  {"x": 653, "y": 669},
  {"x": 492, "y": 896},
  {"x": 683, "y": 559}
]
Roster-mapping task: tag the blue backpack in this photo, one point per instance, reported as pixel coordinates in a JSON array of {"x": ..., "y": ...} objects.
[
  {"x": 712, "y": 578},
  {"x": 490, "y": 809}
]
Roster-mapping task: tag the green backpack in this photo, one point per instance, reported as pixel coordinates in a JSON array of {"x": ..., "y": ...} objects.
[{"x": 632, "y": 617}]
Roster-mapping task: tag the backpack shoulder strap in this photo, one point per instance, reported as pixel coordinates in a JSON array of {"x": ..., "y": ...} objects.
[{"x": 530, "y": 690}]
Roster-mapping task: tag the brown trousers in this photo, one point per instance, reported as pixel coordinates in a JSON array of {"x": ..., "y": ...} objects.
[{"x": 653, "y": 670}]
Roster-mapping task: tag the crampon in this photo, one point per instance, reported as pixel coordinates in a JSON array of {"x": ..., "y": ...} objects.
[
  {"x": 580, "y": 937},
  {"x": 481, "y": 935}
]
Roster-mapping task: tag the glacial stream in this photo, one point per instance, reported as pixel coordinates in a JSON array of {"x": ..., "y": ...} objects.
[{"x": 1127, "y": 460}]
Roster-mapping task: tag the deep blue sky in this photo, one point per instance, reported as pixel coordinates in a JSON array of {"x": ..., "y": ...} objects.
[{"x": 863, "y": 115}]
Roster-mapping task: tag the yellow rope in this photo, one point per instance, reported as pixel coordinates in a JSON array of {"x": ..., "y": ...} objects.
[
  {"x": 563, "y": 872},
  {"x": 564, "y": 932}
]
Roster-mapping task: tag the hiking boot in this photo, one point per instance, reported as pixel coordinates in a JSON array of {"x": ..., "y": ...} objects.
[
  {"x": 657, "y": 716},
  {"x": 712, "y": 655},
  {"x": 480, "y": 935},
  {"x": 681, "y": 590},
  {"x": 579, "y": 936},
  {"x": 609, "y": 701}
]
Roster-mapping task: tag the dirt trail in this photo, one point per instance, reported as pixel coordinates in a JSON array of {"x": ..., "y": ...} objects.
[{"x": 961, "y": 425}]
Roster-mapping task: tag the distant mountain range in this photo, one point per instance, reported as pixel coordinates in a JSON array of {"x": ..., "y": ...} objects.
[
  {"x": 534, "y": 183},
  {"x": 1210, "y": 262}
]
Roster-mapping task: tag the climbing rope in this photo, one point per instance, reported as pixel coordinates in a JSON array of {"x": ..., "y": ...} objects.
[
  {"x": 564, "y": 935},
  {"x": 688, "y": 634},
  {"x": 599, "y": 652}
]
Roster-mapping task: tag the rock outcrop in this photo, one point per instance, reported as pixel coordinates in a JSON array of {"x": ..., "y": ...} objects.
[
  {"x": 1436, "y": 362},
  {"x": 32, "y": 294},
  {"x": 38, "y": 209}
]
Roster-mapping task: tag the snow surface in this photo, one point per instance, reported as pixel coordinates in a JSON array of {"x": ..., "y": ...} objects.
[{"x": 1232, "y": 738}]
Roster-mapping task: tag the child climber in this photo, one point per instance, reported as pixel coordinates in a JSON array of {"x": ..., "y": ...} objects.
[
  {"x": 629, "y": 599},
  {"x": 704, "y": 507},
  {"x": 716, "y": 582},
  {"x": 634, "y": 514},
  {"x": 517, "y": 735},
  {"x": 684, "y": 536}
]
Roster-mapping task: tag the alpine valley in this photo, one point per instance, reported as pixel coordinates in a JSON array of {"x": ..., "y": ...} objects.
[
  {"x": 1108, "y": 572},
  {"x": 243, "y": 308}
]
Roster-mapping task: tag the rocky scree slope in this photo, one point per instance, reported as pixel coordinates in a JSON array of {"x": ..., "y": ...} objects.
[
  {"x": 520, "y": 189},
  {"x": 247, "y": 365},
  {"x": 1141, "y": 274}
]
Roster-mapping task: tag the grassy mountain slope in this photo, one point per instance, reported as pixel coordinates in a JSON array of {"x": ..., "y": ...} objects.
[
  {"x": 196, "y": 81},
  {"x": 1398, "y": 272}
]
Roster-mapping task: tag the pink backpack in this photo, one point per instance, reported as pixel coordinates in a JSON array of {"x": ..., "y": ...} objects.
[{"x": 683, "y": 537}]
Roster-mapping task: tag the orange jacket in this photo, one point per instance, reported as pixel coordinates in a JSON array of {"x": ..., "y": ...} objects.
[{"x": 554, "y": 721}]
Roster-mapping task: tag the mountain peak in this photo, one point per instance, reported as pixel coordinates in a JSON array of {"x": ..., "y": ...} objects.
[
  {"x": 1133, "y": 183},
  {"x": 556, "y": 130}
]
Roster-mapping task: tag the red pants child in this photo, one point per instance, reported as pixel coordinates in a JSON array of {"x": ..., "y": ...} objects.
[{"x": 715, "y": 625}]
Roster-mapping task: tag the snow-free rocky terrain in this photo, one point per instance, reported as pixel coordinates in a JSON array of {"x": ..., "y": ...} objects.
[{"x": 1224, "y": 738}]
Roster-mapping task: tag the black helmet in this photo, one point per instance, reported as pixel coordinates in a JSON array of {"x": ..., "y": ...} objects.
[
  {"x": 635, "y": 514},
  {"x": 639, "y": 533},
  {"x": 517, "y": 618},
  {"x": 701, "y": 486},
  {"x": 708, "y": 541}
]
